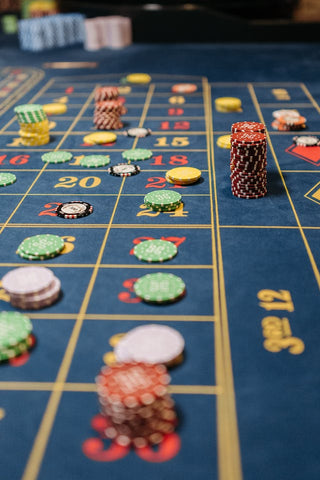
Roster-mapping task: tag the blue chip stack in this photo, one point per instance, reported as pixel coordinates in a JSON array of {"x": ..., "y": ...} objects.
[{"x": 43, "y": 33}]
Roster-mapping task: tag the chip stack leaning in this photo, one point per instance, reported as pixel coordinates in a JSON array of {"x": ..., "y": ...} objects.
[
  {"x": 135, "y": 401},
  {"x": 248, "y": 160},
  {"x": 108, "y": 109},
  {"x": 34, "y": 125}
]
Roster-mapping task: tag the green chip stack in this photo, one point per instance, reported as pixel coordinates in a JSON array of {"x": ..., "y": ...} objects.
[
  {"x": 15, "y": 335},
  {"x": 34, "y": 125},
  {"x": 163, "y": 200}
]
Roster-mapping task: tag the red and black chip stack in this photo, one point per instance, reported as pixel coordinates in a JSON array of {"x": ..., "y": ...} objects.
[
  {"x": 135, "y": 401},
  {"x": 248, "y": 160},
  {"x": 108, "y": 109}
]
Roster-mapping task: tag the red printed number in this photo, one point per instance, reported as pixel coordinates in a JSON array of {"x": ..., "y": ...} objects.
[
  {"x": 175, "y": 112},
  {"x": 51, "y": 211},
  {"x": 17, "y": 160},
  {"x": 176, "y": 240},
  {"x": 174, "y": 160},
  {"x": 129, "y": 296},
  {"x": 176, "y": 126},
  {"x": 160, "y": 182}
]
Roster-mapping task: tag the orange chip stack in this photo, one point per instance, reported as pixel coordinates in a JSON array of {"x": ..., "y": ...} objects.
[
  {"x": 134, "y": 398},
  {"x": 108, "y": 109}
]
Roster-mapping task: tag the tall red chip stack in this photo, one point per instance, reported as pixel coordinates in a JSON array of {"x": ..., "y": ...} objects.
[
  {"x": 134, "y": 398},
  {"x": 108, "y": 109},
  {"x": 248, "y": 160}
]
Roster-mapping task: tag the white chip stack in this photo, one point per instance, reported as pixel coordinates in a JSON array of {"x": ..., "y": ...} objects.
[
  {"x": 31, "y": 288},
  {"x": 107, "y": 32}
]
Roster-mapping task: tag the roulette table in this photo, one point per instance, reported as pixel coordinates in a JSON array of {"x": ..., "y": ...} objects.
[{"x": 247, "y": 391}]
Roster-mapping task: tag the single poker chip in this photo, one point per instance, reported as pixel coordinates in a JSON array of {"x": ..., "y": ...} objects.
[
  {"x": 45, "y": 244},
  {"x": 27, "y": 280},
  {"x": 159, "y": 287},
  {"x": 14, "y": 328},
  {"x": 155, "y": 250},
  {"x": 139, "y": 132},
  {"x": 151, "y": 344},
  {"x": 56, "y": 157},
  {"x": 184, "y": 175},
  {"x": 124, "y": 170},
  {"x": 100, "y": 138},
  {"x": 184, "y": 88},
  {"x": 224, "y": 141},
  {"x": 228, "y": 104},
  {"x": 55, "y": 108},
  {"x": 74, "y": 209},
  {"x": 138, "y": 78},
  {"x": 248, "y": 138},
  {"x": 95, "y": 161},
  {"x": 162, "y": 198},
  {"x": 168, "y": 179},
  {"x": 137, "y": 154},
  {"x": 306, "y": 141},
  {"x": 280, "y": 113},
  {"x": 248, "y": 127},
  {"x": 7, "y": 179},
  {"x": 27, "y": 256}
]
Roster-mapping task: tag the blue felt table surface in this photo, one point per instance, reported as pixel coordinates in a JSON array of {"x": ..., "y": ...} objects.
[{"x": 247, "y": 410}]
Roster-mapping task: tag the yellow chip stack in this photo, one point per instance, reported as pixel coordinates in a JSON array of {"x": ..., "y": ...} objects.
[
  {"x": 228, "y": 104},
  {"x": 224, "y": 141},
  {"x": 183, "y": 175},
  {"x": 34, "y": 125}
]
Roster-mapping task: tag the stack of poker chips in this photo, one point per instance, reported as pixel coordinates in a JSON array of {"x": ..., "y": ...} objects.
[
  {"x": 36, "y": 34},
  {"x": 228, "y": 104},
  {"x": 31, "y": 288},
  {"x": 288, "y": 120},
  {"x": 108, "y": 108},
  {"x": 112, "y": 32},
  {"x": 163, "y": 200},
  {"x": 248, "y": 160},
  {"x": 41, "y": 247},
  {"x": 135, "y": 401},
  {"x": 15, "y": 335},
  {"x": 34, "y": 125}
]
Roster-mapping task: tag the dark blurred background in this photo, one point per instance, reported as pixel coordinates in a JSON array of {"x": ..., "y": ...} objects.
[{"x": 203, "y": 21}]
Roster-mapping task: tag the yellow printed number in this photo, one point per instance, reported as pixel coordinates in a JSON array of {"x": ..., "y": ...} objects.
[
  {"x": 278, "y": 336},
  {"x": 70, "y": 182},
  {"x": 68, "y": 244},
  {"x": 148, "y": 212},
  {"x": 276, "y": 300},
  {"x": 175, "y": 142},
  {"x": 177, "y": 100},
  {"x": 3, "y": 295}
]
